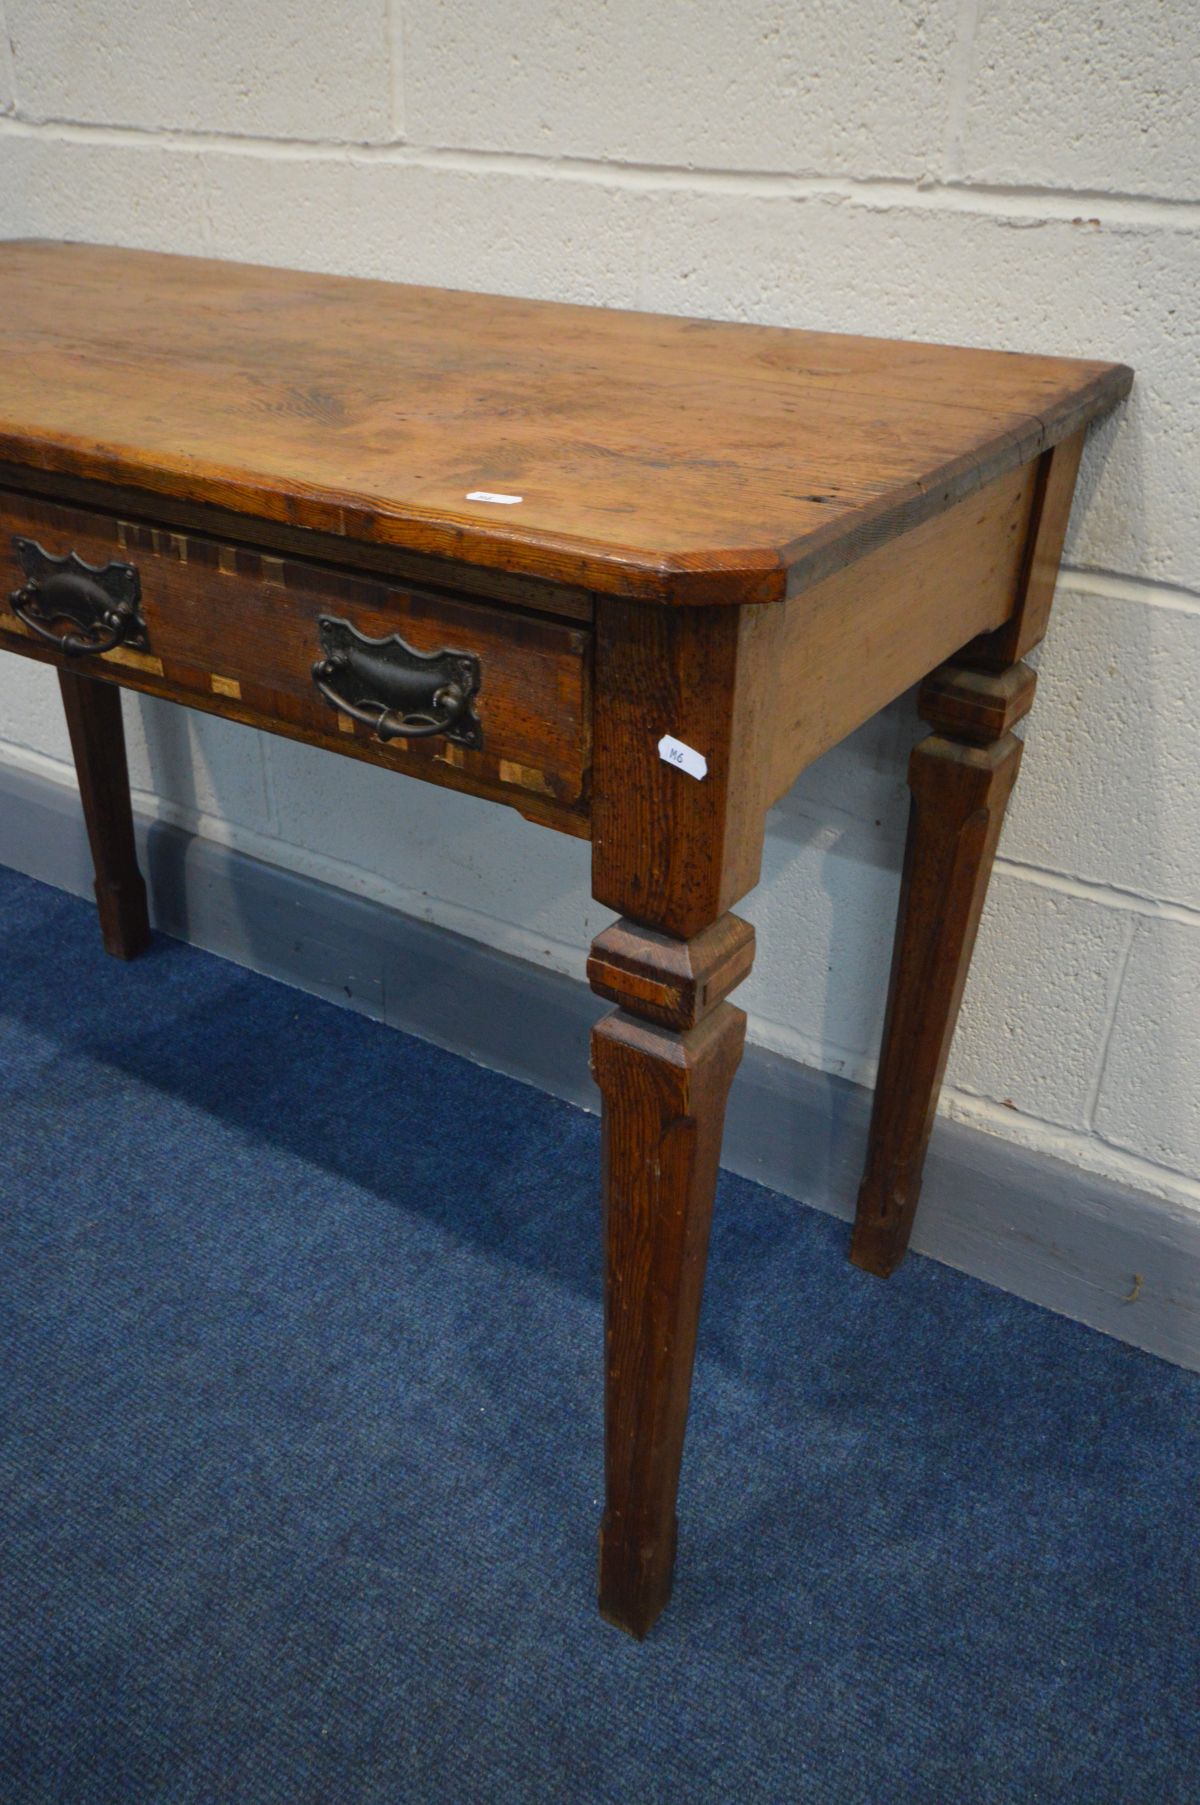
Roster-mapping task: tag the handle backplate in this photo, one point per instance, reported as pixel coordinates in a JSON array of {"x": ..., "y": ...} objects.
[
  {"x": 397, "y": 691},
  {"x": 98, "y": 605}
]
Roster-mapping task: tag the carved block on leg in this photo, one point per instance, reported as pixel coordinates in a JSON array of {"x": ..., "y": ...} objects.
[
  {"x": 93, "y": 711},
  {"x": 961, "y": 778},
  {"x": 664, "y": 1091},
  {"x": 672, "y": 982}
]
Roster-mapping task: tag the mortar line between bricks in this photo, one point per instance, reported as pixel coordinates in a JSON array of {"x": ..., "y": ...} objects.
[
  {"x": 394, "y": 47},
  {"x": 1036, "y": 204},
  {"x": 1107, "y": 896},
  {"x": 1175, "y": 598},
  {"x": 962, "y": 60},
  {"x": 13, "y": 109},
  {"x": 1116, "y": 985}
]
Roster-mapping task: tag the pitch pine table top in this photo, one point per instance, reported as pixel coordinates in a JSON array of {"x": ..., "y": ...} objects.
[{"x": 655, "y": 457}]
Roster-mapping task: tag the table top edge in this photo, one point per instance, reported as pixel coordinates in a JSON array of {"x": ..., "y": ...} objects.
[{"x": 716, "y": 575}]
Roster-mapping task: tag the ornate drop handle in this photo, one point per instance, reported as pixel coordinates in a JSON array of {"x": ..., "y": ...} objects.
[
  {"x": 397, "y": 691},
  {"x": 100, "y": 601}
]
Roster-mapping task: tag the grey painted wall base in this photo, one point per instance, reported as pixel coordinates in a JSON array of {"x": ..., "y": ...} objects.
[{"x": 1032, "y": 1225}]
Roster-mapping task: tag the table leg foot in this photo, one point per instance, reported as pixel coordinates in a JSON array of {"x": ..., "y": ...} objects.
[
  {"x": 635, "y": 1575},
  {"x": 878, "y": 1245}
]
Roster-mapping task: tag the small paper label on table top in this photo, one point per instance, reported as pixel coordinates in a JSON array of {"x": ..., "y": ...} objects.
[
  {"x": 685, "y": 758},
  {"x": 505, "y": 501}
]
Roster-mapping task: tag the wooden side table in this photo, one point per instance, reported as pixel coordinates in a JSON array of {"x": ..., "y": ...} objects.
[{"x": 626, "y": 574}]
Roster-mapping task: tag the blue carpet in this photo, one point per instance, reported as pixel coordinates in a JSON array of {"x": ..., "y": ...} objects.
[{"x": 300, "y": 1453}]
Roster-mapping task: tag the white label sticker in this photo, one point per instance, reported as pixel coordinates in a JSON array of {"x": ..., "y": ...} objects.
[
  {"x": 674, "y": 752},
  {"x": 505, "y": 501}
]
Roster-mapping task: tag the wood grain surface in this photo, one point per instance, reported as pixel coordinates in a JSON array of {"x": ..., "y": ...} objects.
[
  {"x": 670, "y": 459},
  {"x": 853, "y": 642}
]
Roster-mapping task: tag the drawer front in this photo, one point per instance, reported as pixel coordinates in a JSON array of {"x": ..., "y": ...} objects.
[{"x": 240, "y": 630}]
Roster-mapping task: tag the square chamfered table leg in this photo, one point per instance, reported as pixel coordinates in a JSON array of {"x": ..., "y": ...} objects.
[
  {"x": 93, "y": 711},
  {"x": 961, "y": 778},
  {"x": 664, "y": 1060},
  {"x": 664, "y": 1110},
  {"x": 671, "y": 849}
]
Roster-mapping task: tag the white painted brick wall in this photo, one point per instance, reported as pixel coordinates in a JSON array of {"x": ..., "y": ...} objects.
[
  {"x": 1054, "y": 960},
  {"x": 1089, "y": 96},
  {"x": 1150, "y": 1100},
  {"x": 6, "y": 67},
  {"x": 987, "y": 171},
  {"x": 1111, "y": 788},
  {"x": 760, "y": 84},
  {"x": 288, "y": 69}
]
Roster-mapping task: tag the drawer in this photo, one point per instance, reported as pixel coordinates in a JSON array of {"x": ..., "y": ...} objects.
[{"x": 239, "y": 631}]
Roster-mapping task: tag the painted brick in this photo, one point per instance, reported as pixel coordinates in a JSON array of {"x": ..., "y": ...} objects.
[
  {"x": 1036, "y": 1010},
  {"x": 761, "y": 85},
  {"x": 1149, "y": 1100},
  {"x": 195, "y": 761},
  {"x": 521, "y": 235},
  {"x": 1117, "y": 291},
  {"x": 293, "y": 69},
  {"x": 293, "y": 212},
  {"x": 525, "y": 235},
  {"x": 145, "y": 196},
  {"x": 6, "y": 67},
  {"x": 1089, "y": 96},
  {"x": 1108, "y": 787}
]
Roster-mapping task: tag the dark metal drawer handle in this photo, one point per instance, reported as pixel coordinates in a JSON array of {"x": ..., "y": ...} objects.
[
  {"x": 100, "y": 601},
  {"x": 401, "y": 693}
]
